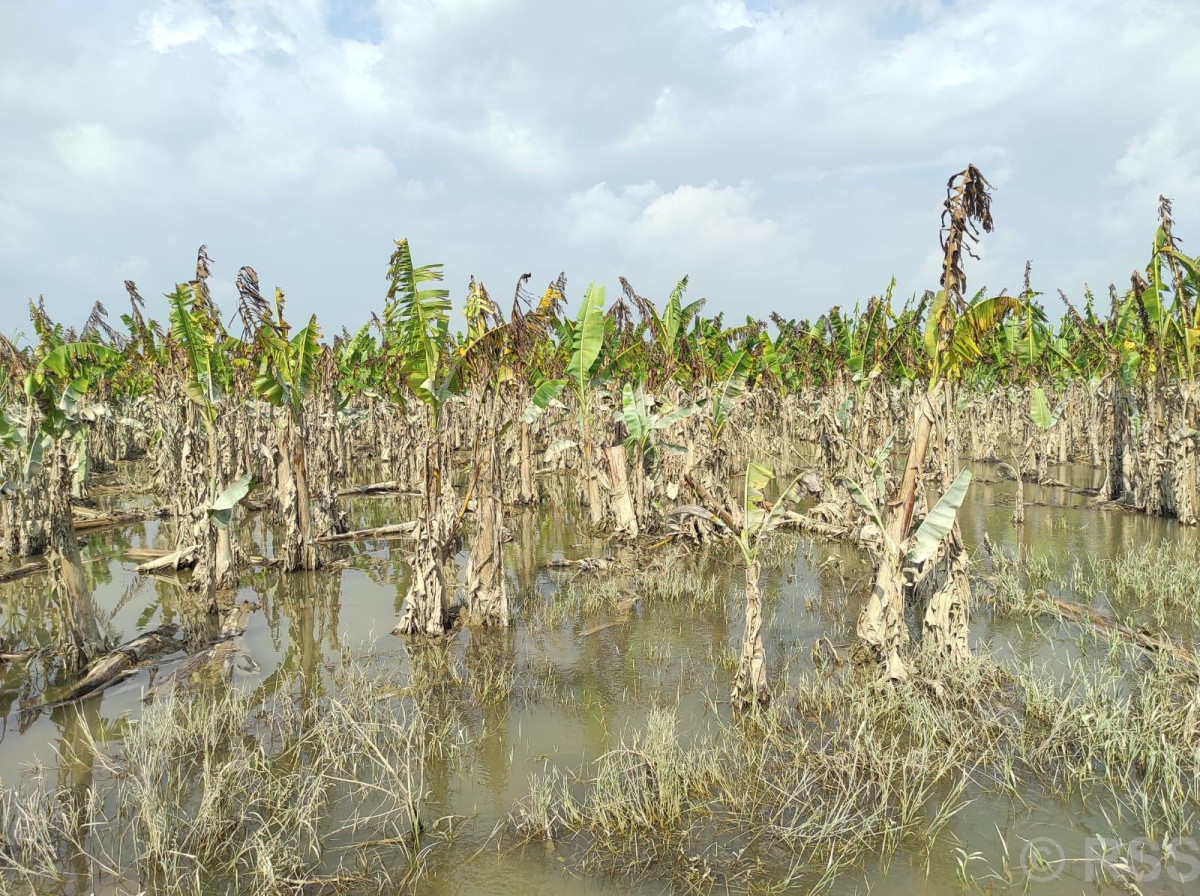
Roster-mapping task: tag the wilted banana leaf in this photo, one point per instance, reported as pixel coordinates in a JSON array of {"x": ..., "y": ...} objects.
[
  {"x": 939, "y": 521},
  {"x": 868, "y": 506},
  {"x": 221, "y": 510}
]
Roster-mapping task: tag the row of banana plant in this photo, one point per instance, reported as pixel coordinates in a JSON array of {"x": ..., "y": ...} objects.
[{"x": 651, "y": 409}]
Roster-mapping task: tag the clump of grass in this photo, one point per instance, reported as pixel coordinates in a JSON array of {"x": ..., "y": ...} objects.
[
  {"x": 682, "y": 580},
  {"x": 1011, "y": 588},
  {"x": 1126, "y": 739},
  {"x": 773, "y": 784},
  {"x": 647, "y": 783},
  {"x": 1156, "y": 584},
  {"x": 853, "y": 769},
  {"x": 580, "y": 595},
  {"x": 216, "y": 792}
]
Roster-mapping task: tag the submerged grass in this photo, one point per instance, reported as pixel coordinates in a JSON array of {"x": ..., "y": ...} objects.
[
  {"x": 216, "y": 791},
  {"x": 797, "y": 795},
  {"x": 1155, "y": 586}
]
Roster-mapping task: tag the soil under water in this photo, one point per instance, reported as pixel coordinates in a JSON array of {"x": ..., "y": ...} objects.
[{"x": 588, "y": 657}]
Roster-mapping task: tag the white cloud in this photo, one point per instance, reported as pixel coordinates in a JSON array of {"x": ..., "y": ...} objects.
[
  {"x": 178, "y": 24},
  {"x": 1164, "y": 159},
  {"x": 715, "y": 234},
  {"x": 790, "y": 153},
  {"x": 92, "y": 151}
]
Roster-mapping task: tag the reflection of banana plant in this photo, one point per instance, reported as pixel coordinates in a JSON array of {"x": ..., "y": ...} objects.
[{"x": 57, "y": 386}]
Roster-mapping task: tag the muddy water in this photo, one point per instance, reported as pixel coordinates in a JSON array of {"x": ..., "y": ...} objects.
[{"x": 580, "y": 683}]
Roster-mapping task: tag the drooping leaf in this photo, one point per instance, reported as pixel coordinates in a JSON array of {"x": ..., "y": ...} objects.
[
  {"x": 547, "y": 391},
  {"x": 221, "y": 510},
  {"x": 187, "y": 331},
  {"x": 306, "y": 351},
  {"x": 939, "y": 521},
  {"x": 557, "y": 447},
  {"x": 868, "y": 506},
  {"x": 1039, "y": 409},
  {"x": 634, "y": 414},
  {"x": 416, "y": 321},
  {"x": 35, "y": 459},
  {"x": 758, "y": 478}
]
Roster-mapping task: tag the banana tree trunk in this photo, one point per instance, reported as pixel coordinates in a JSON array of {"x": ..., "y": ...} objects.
[
  {"x": 622, "y": 502},
  {"x": 528, "y": 492},
  {"x": 881, "y": 623},
  {"x": 947, "y": 612},
  {"x": 424, "y": 610},
  {"x": 1018, "y": 516},
  {"x": 750, "y": 684},
  {"x": 487, "y": 591}
]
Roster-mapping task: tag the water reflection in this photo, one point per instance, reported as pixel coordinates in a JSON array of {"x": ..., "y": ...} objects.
[{"x": 560, "y": 688}]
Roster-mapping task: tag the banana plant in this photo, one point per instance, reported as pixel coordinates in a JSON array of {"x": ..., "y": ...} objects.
[
  {"x": 645, "y": 425},
  {"x": 585, "y": 373},
  {"x": 902, "y": 561},
  {"x": 747, "y": 525},
  {"x": 669, "y": 330},
  {"x": 416, "y": 322},
  {"x": 953, "y": 331},
  {"x": 199, "y": 340},
  {"x": 727, "y": 393},
  {"x": 287, "y": 375},
  {"x": 416, "y": 325}
]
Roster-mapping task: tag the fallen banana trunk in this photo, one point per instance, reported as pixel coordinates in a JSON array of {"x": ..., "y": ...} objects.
[
  {"x": 214, "y": 663},
  {"x": 805, "y": 523},
  {"x": 390, "y": 486},
  {"x": 17, "y": 656},
  {"x": 123, "y": 661},
  {"x": 1152, "y": 643},
  {"x": 624, "y": 606},
  {"x": 156, "y": 560},
  {"x": 86, "y": 520},
  {"x": 395, "y": 530},
  {"x": 180, "y": 559},
  {"x": 587, "y": 564},
  {"x": 25, "y": 569}
]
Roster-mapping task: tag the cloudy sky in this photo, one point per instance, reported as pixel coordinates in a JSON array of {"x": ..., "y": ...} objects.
[{"x": 787, "y": 156}]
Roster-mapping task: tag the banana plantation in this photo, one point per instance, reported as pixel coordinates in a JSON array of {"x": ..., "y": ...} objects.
[{"x": 586, "y": 591}]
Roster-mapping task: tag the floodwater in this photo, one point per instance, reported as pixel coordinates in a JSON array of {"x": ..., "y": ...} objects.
[{"x": 582, "y": 680}]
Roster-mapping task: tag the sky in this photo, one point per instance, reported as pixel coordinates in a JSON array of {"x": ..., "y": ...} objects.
[{"x": 785, "y": 156}]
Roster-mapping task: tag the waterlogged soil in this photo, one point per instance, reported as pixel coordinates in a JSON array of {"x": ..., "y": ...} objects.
[{"x": 575, "y": 682}]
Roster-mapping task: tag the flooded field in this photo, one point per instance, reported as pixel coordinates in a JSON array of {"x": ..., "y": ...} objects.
[{"x": 590, "y": 748}]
